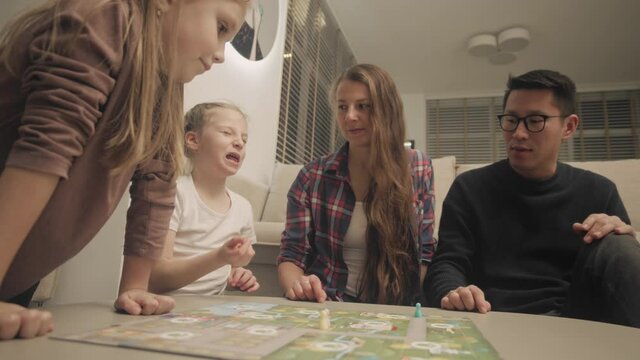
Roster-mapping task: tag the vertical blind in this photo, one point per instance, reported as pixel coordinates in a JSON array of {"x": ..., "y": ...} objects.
[
  {"x": 467, "y": 128},
  {"x": 315, "y": 53}
]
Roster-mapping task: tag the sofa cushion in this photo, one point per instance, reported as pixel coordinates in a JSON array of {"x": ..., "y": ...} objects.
[
  {"x": 276, "y": 206},
  {"x": 251, "y": 190},
  {"x": 625, "y": 174},
  {"x": 444, "y": 172}
]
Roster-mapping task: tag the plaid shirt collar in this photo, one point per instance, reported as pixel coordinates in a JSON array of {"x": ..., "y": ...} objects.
[{"x": 338, "y": 164}]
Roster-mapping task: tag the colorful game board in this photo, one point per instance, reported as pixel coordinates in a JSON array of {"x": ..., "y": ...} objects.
[{"x": 245, "y": 330}]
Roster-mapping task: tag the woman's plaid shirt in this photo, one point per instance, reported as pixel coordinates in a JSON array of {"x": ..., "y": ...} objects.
[{"x": 320, "y": 204}]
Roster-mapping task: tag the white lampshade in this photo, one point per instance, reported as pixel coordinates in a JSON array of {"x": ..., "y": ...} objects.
[
  {"x": 482, "y": 45},
  {"x": 502, "y": 58},
  {"x": 513, "y": 39}
]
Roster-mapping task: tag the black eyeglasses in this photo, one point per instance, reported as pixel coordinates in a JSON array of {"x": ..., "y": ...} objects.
[{"x": 533, "y": 123}]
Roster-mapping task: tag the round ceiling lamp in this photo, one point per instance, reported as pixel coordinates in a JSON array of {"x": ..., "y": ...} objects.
[
  {"x": 482, "y": 45},
  {"x": 499, "y": 48},
  {"x": 513, "y": 39}
]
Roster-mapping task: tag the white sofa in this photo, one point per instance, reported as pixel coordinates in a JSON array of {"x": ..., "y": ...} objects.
[{"x": 270, "y": 202}]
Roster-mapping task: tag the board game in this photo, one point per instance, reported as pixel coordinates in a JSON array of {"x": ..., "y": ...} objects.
[{"x": 246, "y": 330}]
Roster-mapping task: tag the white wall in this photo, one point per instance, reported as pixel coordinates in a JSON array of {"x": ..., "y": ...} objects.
[
  {"x": 255, "y": 87},
  {"x": 415, "y": 113},
  {"x": 94, "y": 274}
]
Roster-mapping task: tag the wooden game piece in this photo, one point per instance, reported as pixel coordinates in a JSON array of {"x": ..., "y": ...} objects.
[{"x": 325, "y": 321}]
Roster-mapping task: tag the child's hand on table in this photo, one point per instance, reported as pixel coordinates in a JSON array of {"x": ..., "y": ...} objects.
[
  {"x": 17, "y": 321},
  {"x": 243, "y": 280},
  {"x": 142, "y": 302}
]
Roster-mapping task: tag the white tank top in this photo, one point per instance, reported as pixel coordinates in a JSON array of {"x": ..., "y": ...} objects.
[{"x": 355, "y": 247}]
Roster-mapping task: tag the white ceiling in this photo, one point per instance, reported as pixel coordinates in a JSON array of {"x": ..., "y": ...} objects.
[{"x": 422, "y": 43}]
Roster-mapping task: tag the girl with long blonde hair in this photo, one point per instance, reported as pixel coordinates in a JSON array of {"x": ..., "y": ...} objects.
[
  {"x": 91, "y": 99},
  {"x": 360, "y": 221}
]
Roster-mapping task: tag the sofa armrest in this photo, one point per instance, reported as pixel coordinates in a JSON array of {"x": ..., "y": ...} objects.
[
  {"x": 269, "y": 233},
  {"x": 623, "y": 173},
  {"x": 255, "y": 192}
]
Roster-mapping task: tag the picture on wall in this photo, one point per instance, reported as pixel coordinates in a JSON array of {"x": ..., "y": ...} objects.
[{"x": 257, "y": 34}]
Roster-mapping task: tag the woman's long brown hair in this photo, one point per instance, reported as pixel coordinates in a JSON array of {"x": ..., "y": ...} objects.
[{"x": 391, "y": 271}]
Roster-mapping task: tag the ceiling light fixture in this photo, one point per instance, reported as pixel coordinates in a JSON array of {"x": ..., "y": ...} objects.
[
  {"x": 483, "y": 45},
  {"x": 513, "y": 39},
  {"x": 499, "y": 48}
]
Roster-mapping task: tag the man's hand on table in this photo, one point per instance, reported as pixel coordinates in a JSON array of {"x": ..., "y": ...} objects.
[{"x": 468, "y": 298}]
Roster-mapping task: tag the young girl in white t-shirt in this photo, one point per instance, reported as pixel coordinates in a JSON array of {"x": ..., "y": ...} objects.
[{"x": 211, "y": 231}]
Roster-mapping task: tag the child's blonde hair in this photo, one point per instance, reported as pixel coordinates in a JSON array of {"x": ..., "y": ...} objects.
[
  {"x": 199, "y": 115},
  {"x": 150, "y": 124}
]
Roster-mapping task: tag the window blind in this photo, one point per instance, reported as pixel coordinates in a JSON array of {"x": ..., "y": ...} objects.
[
  {"x": 467, "y": 128},
  {"x": 315, "y": 53}
]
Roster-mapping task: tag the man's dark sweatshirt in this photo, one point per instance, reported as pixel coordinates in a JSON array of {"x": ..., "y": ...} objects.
[{"x": 513, "y": 237}]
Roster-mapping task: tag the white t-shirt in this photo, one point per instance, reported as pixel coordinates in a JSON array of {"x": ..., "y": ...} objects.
[
  {"x": 199, "y": 229},
  {"x": 354, "y": 248}
]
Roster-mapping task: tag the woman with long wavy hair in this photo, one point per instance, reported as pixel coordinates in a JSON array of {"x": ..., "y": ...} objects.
[
  {"x": 360, "y": 221},
  {"x": 91, "y": 100}
]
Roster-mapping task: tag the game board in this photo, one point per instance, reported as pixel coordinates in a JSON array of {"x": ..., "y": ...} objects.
[{"x": 246, "y": 330}]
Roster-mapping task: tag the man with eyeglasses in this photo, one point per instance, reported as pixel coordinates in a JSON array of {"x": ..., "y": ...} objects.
[{"x": 529, "y": 234}]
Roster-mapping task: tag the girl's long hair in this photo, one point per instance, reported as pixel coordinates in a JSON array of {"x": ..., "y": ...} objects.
[
  {"x": 151, "y": 123},
  {"x": 391, "y": 271}
]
